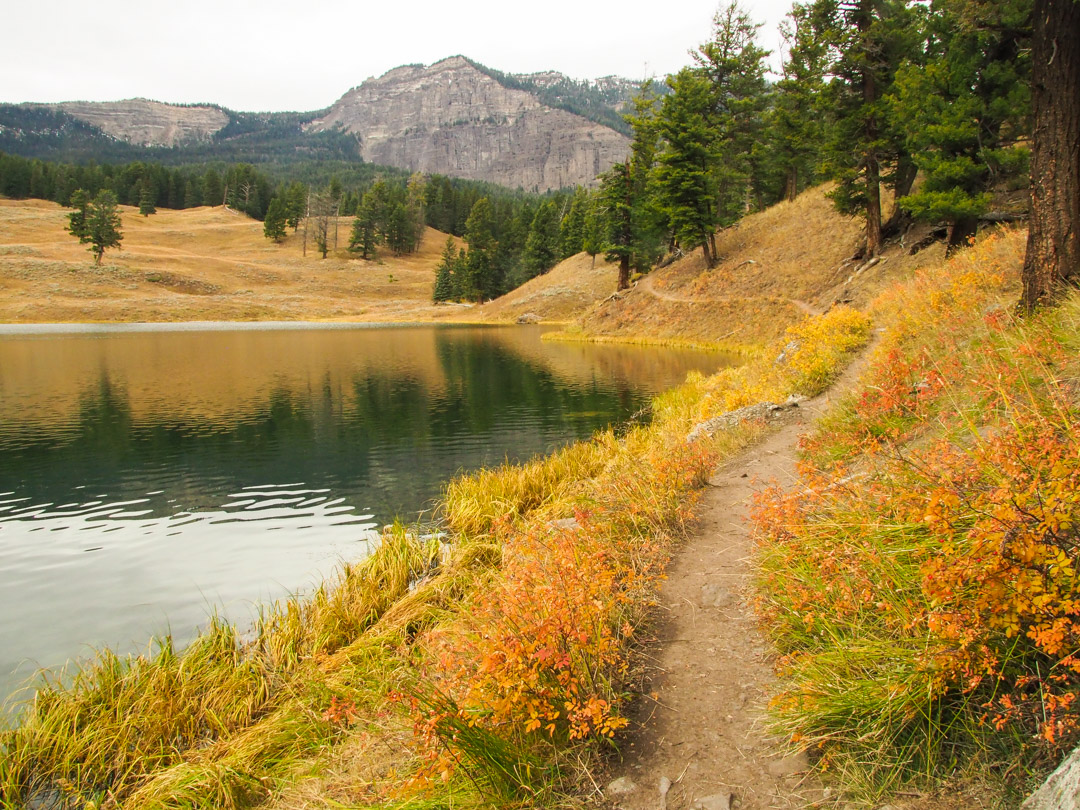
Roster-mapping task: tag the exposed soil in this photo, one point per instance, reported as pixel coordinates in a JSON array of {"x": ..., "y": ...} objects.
[{"x": 700, "y": 739}]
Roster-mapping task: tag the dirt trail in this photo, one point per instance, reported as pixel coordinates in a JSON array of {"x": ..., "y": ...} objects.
[
  {"x": 702, "y": 736},
  {"x": 647, "y": 284}
]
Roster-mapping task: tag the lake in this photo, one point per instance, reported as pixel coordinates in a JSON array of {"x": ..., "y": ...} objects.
[{"x": 152, "y": 475}]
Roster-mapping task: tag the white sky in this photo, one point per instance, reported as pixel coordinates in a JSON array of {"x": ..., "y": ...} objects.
[{"x": 258, "y": 55}]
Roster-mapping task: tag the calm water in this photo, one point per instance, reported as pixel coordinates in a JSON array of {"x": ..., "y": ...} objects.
[{"x": 148, "y": 477}]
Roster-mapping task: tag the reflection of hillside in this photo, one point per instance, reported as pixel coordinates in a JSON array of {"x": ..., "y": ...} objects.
[
  {"x": 217, "y": 378},
  {"x": 386, "y": 416}
]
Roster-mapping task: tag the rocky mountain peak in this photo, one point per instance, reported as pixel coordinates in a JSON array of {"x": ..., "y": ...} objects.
[{"x": 453, "y": 118}]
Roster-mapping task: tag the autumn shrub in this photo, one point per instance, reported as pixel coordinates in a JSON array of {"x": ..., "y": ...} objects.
[{"x": 921, "y": 579}]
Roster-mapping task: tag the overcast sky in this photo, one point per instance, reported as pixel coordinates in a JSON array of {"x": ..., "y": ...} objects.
[{"x": 255, "y": 55}]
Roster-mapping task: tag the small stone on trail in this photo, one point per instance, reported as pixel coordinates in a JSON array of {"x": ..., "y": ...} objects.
[
  {"x": 621, "y": 786},
  {"x": 665, "y": 785},
  {"x": 718, "y": 801}
]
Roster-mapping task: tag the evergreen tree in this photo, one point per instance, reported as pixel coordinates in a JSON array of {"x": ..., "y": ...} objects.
[
  {"x": 542, "y": 244},
  {"x": 572, "y": 227},
  {"x": 146, "y": 200},
  {"x": 400, "y": 228},
  {"x": 593, "y": 239},
  {"x": 794, "y": 124},
  {"x": 648, "y": 223},
  {"x": 211, "y": 188},
  {"x": 616, "y": 196},
  {"x": 77, "y": 219},
  {"x": 444, "y": 274},
  {"x": 685, "y": 177},
  {"x": 365, "y": 234},
  {"x": 481, "y": 279},
  {"x": 192, "y": 197},
  {"x": 96, "y": 222},
  {"x": 964, "y": 114},
  {"x": 275, "y": 222},
  {"x": 296, "y": 200},
  {"x": 734, "y": 67},
  {"x": 869, "y": 40}
]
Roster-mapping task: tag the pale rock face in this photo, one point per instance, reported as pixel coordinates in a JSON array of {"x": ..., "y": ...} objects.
[
  {"x": 148, "y": 123},
  {"x": 452, "y": 119}
]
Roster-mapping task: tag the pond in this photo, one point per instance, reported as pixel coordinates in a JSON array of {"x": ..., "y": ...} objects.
[{"x": 152, "y": 475}]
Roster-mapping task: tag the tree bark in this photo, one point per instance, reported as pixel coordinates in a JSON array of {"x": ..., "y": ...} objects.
[
  {"x": 1052, "y": 263},
  {"x": 624, "y": 273},
  {"x": 960, "y": 234}
]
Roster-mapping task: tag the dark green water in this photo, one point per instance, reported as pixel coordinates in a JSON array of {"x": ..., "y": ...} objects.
[{"x": 149, "y": 477}]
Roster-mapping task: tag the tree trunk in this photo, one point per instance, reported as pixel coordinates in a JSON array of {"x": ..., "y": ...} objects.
[
  {"x": 710, "y": 262},
  {"x": 960, "y": 234},
  {"x": 792, "y": 184},
  {"x": 624, "y": 273},
  {"x": 870, "y": 132},
  {"x": 1052, "y": 263}
]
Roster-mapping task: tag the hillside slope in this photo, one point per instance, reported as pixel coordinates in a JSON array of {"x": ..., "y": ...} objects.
[
  {"x": 775, "y": 267},
  {"x": 198, "y": 264},
  {"x": 563, "y": 293}
]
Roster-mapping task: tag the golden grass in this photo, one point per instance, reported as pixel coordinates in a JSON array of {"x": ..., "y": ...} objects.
[{"x": 200, "y": 264}]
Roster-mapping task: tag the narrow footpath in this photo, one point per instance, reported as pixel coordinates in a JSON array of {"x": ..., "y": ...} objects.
[{"x": 699, "y": 739}]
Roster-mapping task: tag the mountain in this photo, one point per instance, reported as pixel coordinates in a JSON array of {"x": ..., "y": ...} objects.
[
  {"x": 455, "y": 119},
  {"x": 537, "y": 132},
  {"x": 149, "y": 123}
]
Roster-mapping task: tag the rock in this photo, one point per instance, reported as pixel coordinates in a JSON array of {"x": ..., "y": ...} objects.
[
  {"x": 149, "y": 123},
  {"x": 665, "y": 785},
  {"x": 794, "y": 400},
  {"x": 451, "y": 118},
  {"x": 529, "y": 317},
  {"x": 620, "y": 787},
  {"x": 761, "y": 410},
  {"x": 1061, "y": 790},
  {"x": 718, "y": 801}
]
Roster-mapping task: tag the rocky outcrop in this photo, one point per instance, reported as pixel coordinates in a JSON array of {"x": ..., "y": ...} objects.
[
  {"x": 148, "y": 123},
  {"x": 451, "y": 118}
]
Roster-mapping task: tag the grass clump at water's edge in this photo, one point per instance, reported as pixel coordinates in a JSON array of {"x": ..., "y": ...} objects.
[
  {"x": 482, "y": 672},
  {"x": 921, "y": 579}
]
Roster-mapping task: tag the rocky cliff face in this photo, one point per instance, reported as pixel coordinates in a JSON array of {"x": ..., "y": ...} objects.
[
  {"x": 452, "y": 119},
  {"x": 148, "y": 123}
]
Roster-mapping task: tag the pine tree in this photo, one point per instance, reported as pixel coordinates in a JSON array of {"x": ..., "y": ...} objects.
[
  {"x": 365, "y": 234},
  {"x": 481, "y": 279},
  {"x": 296, "y": 200},
  {"x": 572, "y": 227},
  {"x": 794, "y": 124},
  {"x": 146, "y": 200},
  {"x": 542, "y": 244},
  {"x": 964, "y": 113},
  {"x": 275, "y": 222},
  {"x": 616, "y": 200},
  {"x": 685, "y": 178},
  {"x": 77, "y": 219},
  {"x": 95, "y": 222},
  {"x": 444, "y": 274},
  {"x": 870, "y": 39}
]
